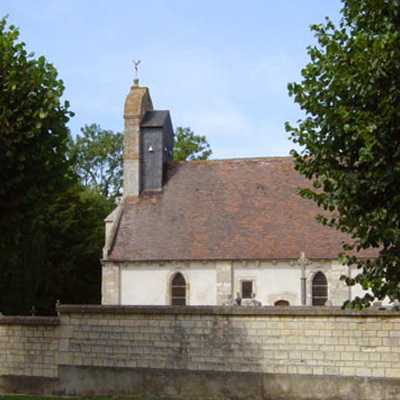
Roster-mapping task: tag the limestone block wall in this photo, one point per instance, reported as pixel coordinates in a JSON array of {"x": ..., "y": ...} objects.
[
  {"x": 265, "y": 353},
  {"x": 295, "y": 340},
  {"x": 28, "y": 346}
]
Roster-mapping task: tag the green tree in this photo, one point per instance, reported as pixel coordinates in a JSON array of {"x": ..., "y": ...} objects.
[
  {"x": 33, "y": 164},
  {"x": 351, "y": 138},
  {"x": 97, "y": 156},
  {"x": 188, "y": 146},
  {"x": 74, "y": 231}
]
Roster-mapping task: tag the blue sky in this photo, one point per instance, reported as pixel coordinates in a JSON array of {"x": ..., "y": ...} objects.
[{"x": 220, "y": 66}]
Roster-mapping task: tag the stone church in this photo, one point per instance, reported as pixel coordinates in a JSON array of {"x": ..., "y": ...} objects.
[{"x": 214, "y": 232}]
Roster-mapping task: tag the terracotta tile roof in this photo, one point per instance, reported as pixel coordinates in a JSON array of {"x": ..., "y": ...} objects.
[{"x": 225, "y": 209}]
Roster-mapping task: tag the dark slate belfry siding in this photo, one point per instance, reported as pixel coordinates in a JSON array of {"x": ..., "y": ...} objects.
[{"x": 157, "y": 140}]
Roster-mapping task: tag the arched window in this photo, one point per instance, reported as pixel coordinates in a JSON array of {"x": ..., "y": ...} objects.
[
  {"x": 282, "y": 303},
  {"x": 178, "y": 290},
  {"x": 319, "y": 289}
]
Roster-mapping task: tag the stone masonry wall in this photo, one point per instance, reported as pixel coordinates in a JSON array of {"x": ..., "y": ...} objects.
[
  {"x": 28, "y": 346},
  {"x": 323, "y": 341},
  {"x": 101, "y": 350}
]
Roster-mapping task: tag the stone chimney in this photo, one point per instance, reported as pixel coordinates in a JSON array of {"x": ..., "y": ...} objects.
[{"x": 148, "y": 143}]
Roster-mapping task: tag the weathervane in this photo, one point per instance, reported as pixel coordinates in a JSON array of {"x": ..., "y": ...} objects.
[{"x": 136, "y": 63}]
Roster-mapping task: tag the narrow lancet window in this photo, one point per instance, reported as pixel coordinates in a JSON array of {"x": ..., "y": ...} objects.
[
  {"x": 319, "y": 289},
  {"x": 178, "y": 290}
]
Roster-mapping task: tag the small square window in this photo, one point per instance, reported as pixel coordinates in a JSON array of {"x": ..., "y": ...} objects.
[{"x": 247, "y": 289}]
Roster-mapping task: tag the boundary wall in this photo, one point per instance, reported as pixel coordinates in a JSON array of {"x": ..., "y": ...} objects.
[{"x": 265, "y": 353}]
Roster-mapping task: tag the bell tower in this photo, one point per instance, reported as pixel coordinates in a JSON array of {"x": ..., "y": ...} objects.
[{"x": 137, "y": 104}]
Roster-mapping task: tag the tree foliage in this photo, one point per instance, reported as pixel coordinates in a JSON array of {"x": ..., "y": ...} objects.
[
  {"x": 33, "y": 164},
  {"x": 74, "y": 231},
  {"x": 33, "y": 131},
  {"x": 350, "y": 136},
  {"x": 98, "y": 159},
  {"x": 52, "y": 229},
  {"x": 188, "y": 146}
]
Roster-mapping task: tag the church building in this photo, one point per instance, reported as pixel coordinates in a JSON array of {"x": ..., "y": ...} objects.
[{"x": 215, "y": 232}]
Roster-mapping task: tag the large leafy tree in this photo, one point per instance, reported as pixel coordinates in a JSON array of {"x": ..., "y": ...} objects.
[
  {"x": 75, "y": 232},
  {"x": 33, "y": 133},
  {"x": 188, "y": 146},
  {"x": 350, "y": 137},
  {"x": 33, "y": 164},
  {"x": 97, "y": 155}
]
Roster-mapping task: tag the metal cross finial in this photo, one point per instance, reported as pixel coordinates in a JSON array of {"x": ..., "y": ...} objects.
[{"x": 136, "y": 63}]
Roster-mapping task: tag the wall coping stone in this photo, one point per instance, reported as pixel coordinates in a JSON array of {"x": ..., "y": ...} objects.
[
  {"x": 220, "y": 310},
  {"x": 28, "y": 320}
]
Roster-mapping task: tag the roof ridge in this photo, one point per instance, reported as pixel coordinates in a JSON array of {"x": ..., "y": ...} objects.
[{"x": 238, "y": 159}]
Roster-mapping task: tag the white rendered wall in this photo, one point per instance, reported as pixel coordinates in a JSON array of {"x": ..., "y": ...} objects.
[
  {"x": 272, "y": 280},
  {"x": 149, "y": 284},
  {"x": 203, "y": 284},
  {"x": 142, "y": 285}
]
